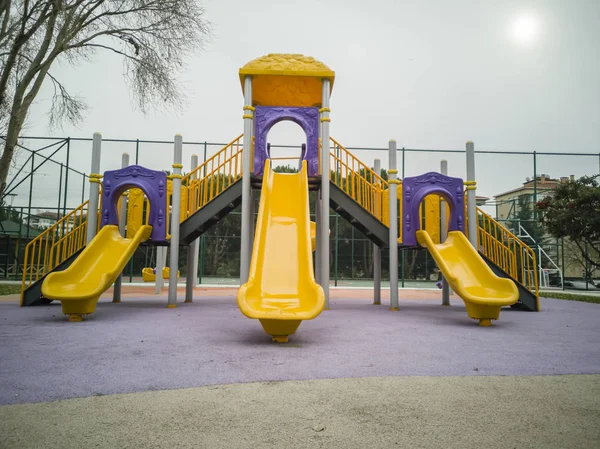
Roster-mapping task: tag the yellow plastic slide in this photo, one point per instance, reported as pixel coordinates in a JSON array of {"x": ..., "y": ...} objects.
[
  {"x": 483, "y": 292},
  {"x": 95, "y": 270},
  {"x": 281, "y": 290}
]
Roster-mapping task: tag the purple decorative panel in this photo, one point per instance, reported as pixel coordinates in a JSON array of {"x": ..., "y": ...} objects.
[
  {"x": 267, "y": 116},
  {"x": 153, "y": 183},
  {"x": 415, "y": 189}
]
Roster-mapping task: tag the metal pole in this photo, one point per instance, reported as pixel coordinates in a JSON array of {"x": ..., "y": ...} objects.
[
  {"x": 67, "y": 176},
  {"x": 336, "y": 248},
  {"x": 193, "y": 249},
  {"x": 376, "y": 249},
  {"x": 443, "y": 237},
  {"x": 122, "y": 224},
  {"x": 471, "y": 204},
  {"x": 30, "y": 195},
  {"x": 562, "y": 263},
  {"x": 318, "y": 240},
  {"x": 59, "y": 191},
  {"x": 161, "y": 261},
  {"x": 245, "y": 249},
  {"x": 83, "y": 187},
  {"x": 94, "y": 179},
  {"x": 393, "y": 182},
  {"x": 534, "y": 185},
  {"x": 137, "y": 151},
  {"x": 324, "y": 216},
  {"x": 403, "y": 259},
  {"x": 175, "y": 207}
]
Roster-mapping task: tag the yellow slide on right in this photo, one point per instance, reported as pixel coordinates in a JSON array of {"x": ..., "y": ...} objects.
[
  {"x": 93, "y": 272},
  {"x": 483, "y": 292},
  {"x": 281, "y": 290}
]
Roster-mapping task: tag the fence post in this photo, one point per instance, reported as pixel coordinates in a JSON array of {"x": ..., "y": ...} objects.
[
  {"x": 30, "y": 195},
  {"x": 122, "y": 224},
  {"x": 393, "y": 209},
  {"x": 534, "y": 185},
  {"x": 94, "y": 179},
  {"x": 376, "y": 249},
  {"x": 67, "y": 176}
]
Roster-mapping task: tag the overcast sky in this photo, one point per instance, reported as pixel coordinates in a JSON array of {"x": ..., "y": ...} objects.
[{"x": 509, "y": 75}]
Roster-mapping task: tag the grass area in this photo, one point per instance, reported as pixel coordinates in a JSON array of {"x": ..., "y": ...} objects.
[
  {"x": 9, "y": 289},
  {"x": 571, "y": 297}
]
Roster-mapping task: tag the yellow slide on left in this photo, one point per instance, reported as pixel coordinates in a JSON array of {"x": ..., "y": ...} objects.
[
  {"x": 93, "y": 272},
  {"x": 483, "y": 292},
  {"x": 281, "y": 290}
]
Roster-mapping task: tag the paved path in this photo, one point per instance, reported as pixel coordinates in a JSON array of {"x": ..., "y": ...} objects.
[{"x": 546, "y": 412}]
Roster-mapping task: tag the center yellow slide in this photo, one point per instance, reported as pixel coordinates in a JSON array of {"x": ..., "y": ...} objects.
[
  {"x": 93, "y": 272},
  {"x": 281, "y": 290}
]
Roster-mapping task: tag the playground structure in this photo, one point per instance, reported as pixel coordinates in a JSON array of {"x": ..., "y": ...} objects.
[{"x": 489, "y": 270}]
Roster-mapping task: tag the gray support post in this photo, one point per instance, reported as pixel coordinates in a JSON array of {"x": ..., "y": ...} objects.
[
  {"x": 175, "y": 206},
  {"x": 324, "y": 212},
  {"x": 161, "y": 261},
  {"x": 376, "y": 249},
  {"x": 392, "y": 175},
  {"x": 471, "y": 186},
  {"x": 122, "y": 224},
  {"x": 94, "y": 178},
  {"x": 443, "y": 237},
  {"x": 192, "y": 255},
  {"x": 318, "y": 237},
  {"x": 245, "y": 248}
]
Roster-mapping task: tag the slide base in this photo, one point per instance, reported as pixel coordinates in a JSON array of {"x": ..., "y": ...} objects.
[
  {"x": 280, "y": 330},
  {"x": 76, "y": 309},
  {"x": 482, "y": 311},
  {"x": 485, "y": 322}
]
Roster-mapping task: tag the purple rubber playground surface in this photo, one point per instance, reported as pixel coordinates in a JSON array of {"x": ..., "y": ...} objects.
[{"x": 140, "y": 345}]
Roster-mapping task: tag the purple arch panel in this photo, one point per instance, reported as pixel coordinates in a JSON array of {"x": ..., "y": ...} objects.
[
  {"x": 415, "y": 189},
  {"x": 267, "y": 116},
  {"x": 152, "y": 182}
]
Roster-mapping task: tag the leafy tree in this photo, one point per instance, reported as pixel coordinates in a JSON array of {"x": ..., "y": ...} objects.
[
  {"x": 573, "y": 211},
  {"x": 153, "y": 38}
]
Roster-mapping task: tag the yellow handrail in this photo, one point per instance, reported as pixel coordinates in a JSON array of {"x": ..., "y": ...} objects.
[
  {"x": 55, "y": 245},
  {"x": 213, "y": 176},
  {"x": 507, "y": 251},
  {"x": 362, "y": 184}
]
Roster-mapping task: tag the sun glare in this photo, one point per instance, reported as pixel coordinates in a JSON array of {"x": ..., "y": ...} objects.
[{"x": 525, "y": 29}]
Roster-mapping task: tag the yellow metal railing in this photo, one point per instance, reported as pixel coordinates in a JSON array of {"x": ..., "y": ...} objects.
[
  {"x": 507, "y": 251},
  {"x": 362, "y": 184},
  {"x": 55, "y": 245},
  {"x": 212, "y": 177}
]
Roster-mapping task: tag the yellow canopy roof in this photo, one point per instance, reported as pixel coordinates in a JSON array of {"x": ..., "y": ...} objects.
[{"x": 281, "y": 79}]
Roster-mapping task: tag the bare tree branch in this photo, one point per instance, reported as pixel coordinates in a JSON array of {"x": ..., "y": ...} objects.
[{"x": 154, "y": 38}]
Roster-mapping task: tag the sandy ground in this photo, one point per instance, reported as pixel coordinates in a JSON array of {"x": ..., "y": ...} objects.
[{"x": 411, "y": 412}]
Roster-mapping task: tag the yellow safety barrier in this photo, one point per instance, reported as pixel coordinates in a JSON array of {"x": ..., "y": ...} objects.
[
  {"x": 212, "y": 177},
  {"x": 507, "y": 251},
  {"x": 55, "y": 245}
]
